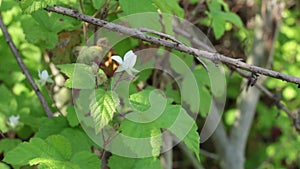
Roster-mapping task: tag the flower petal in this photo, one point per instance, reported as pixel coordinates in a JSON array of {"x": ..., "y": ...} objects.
[
  {"x": 45, "y": 75},
  {"x": 120, "y": 69},
  {"x": 39, "y": 73},
  {"x": 129, "y": 59},
  {"x": 134, "y": 70},
  {"x": 117, "y": 59},
  {"x": 129, "y": 72}
]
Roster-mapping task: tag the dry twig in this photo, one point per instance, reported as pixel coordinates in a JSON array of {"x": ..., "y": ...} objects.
[{"x": 136, "y": 33}]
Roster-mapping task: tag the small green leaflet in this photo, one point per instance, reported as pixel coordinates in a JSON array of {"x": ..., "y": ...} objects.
[{"x": 103, "y": 108}]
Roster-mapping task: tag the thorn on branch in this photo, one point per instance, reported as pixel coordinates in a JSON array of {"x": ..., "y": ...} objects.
[{"x": 252, "y": 80}]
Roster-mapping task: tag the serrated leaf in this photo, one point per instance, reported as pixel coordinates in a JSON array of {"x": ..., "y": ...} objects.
[
  {"x": 103, "y": 108},
  {"x": 80, "y": 76},
  {"x": 29, "y": 6},
  {"x": 117, "y": 162},
  {"x": 27, "y": 151},
  {"x": 55, "y": 152},
  {"x": 46, "y": 163},
  {"x": 86, "y": 160}
]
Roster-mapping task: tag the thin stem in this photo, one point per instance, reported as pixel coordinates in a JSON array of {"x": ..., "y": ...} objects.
[
  {"x": 24, "y": 69},
  {"x": 118, "y": 81}
]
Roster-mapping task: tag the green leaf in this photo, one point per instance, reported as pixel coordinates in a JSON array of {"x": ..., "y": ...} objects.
[
  {"x": 218, "y": 26},
  {"x": 174, "y": 94},
  {"x": 51, "y": 126},
  {"x": 7, "y": 144},
  {"x": 145, "y": 130},
  {"x": 29, "y": 6},
  {"x": 8, "y": 103},
  {"x": 7, "y": 5},
  {"x": 45, "y": 163},
  {"x": 54, "y": 152},
  {"x": 27, "y": 151},
  {"x": 170, "y": 7},
  {"x": 55, "y": 22},
  {"x": 219, "y": 17},
  {"x": 61, "y": 145},
  {"x": 72, "y": 116},
  {"x": 193, "y": 84},
  {"x": 78, "y": 139},
  {"x": 86, "y": 160},
  {"x": 98, "y": 3},
  {"x": 136, "y": 6},
  {"x": 80, "y": 76},
  {"x": 3, "y": 126},
  {"x": 176, "y": 120},
  {"x": 117, "y": 162},
  {"x": 140, "y": 101},
  {"x": 4, "y": 166},
  {"x": 192, "y": 140},
  {"x": 103, "y": 108},
  {"x": 182, "y": 63},
  {"x": 233, "y": 18},
  {"x": 39, "y": 35},
  {"x": 147, "y": 105}
]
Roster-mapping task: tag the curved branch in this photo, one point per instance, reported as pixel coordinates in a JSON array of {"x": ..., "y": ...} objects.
[
  {"x": 134, "y": 32},
  {"x": 24, "y": 69}
]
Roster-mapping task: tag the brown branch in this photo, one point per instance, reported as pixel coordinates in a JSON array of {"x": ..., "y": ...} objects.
[
  {"x": 136, "y": 33},
  {"x": 24, "y": 69},
  {"x": 272, "y": 97}
]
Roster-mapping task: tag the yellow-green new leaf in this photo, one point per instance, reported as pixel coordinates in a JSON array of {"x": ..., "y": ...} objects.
[{"x": 103, "y": 108}]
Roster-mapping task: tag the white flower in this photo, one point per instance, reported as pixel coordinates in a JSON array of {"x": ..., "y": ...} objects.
[
  {"x": 126, "y": 64},
  {"x": 44, "y": 77},
  {"x": 14, "y": 121}
]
